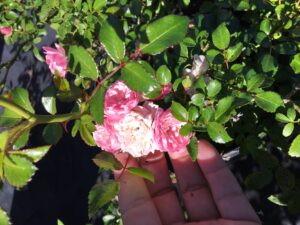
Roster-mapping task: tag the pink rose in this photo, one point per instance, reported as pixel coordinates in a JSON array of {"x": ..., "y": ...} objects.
[
  {"x": 119, "y": 100},
  {"x": 6, "y": 31},
  {"x": 135, "y": 131},
  {"x": 56, "y": 60},
  {"x": 166, "y": 133},
  {"x": 106, "y": 138}
]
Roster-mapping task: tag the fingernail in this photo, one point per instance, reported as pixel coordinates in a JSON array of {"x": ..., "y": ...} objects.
[
  {"x": 179, "y": 155},
  {"x": 153, "y": 157}
]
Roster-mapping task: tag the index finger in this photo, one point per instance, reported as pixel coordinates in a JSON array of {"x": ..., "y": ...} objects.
[
  {"x": 135, "y": 201},
  {"x": 226, "y": 191}
]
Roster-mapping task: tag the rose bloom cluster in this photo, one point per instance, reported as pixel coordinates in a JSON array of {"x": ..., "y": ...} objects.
[
  {"x": 137, "y": 129},
  {"x": 129, "y": 126}
]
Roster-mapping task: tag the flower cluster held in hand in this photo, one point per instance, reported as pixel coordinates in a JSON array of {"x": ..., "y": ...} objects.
[{"x": 137, "y": 129}]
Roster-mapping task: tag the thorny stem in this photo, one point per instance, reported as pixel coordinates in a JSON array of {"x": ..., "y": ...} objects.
[
  {"x": 37, "y": 119},
  {"x": 123, "y": 169},
  {"x": 116, "y": 70},
  {"x": 288, "y": 97},
  {"x": 31, "y": 120},
  {"x": 15, "y": 108}
]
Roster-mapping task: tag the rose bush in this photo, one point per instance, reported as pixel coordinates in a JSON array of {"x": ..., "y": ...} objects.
[{"x": 156, "y": 75}]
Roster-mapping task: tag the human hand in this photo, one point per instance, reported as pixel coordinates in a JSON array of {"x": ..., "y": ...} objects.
[{"x": 210, "y": 192}]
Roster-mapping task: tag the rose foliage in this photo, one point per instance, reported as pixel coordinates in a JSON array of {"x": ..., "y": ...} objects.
[{"x": 146, "y": 75}]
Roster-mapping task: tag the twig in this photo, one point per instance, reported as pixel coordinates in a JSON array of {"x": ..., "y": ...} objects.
[
  {"x": 295, "y": 89},
  {"x": 124, "y": 168},
  {"x": 117, "y": 69}
]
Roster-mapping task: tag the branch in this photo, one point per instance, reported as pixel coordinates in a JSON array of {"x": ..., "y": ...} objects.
[
  {"x": 43, "y": 119},
  {"x": 37, "y": 119},
  {"x": 16, "y": 108},
  {"x": 117, "y": 69}
]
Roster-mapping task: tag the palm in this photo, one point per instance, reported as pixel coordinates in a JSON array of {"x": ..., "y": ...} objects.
[{"x": 210, "y": 193}]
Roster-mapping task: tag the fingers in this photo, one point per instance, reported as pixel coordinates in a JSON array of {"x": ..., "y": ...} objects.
[
  {"x": 197, "y": 198},
  {"x": 229, "y": 198},
  {"x": 162, "y": 190},
  {"x": 220, "y": 222},
  {"x": 134, "y": 199}
]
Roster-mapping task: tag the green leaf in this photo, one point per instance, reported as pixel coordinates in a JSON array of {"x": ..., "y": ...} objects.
[
  {"x": 255, "y": 81},
  {"x": 61, "y": 83},
  {"x": 18, "y": 170},
  {"x": 75, "y": 128},
  {"x": 207, "y": 114},
  {"x": 164, "y": 32},
  {"x": 218, "y": 133},
  {"x": 223, "y": 106},
  {"x": 81, "y": 63},
  {"x": 52, "y": 133},
  {"x": 1, "y": 169},
  {"x": 198, "y": 99},
  {"x": 107, "y": 161},
  {"x": 21, "y": 98},
  {"x": 186, "y": 2},
  {"x": 98, "y": 4},
  {"x": 3, "y": 139},
  {"x": 243, "y": 5},
  {"x": 189, "y": 42},
  {"x": 147, "y": 67},
  {"x": 193, "y": 113},
  {"x": 295, "y": 63},
  {"x": 266, "y": 26},
  {"x": 59, "y": 222},
  {"x": 285, "y": 179},
  {"x": 213, "y": 88},
  {"x": 186, "y": 129},
  {"x": 269, "y": 101},
  {"x": 86, "y": 135},
  {"x": 258, "y": 180},
  {"x": 282, "y": 118},
  {"x": 112, "y": 38},
  {"x": 221, "y": 37},
  {"x": 97, "y": 105},
  {"x": 291, "y": 114},
  {"x": 294, "y": 150},
  {"x": 37, "y": 54},
  {"x": 141, "y": 172},
  {"x": 179, "y": 112},
  {"x": 49, "y": 100},
  {"x": 137, "y": 78},
  {"x": 276, "y": 200},
  {"x": 288, "y": 129},
  {"x": 4, "y": 220},
  {"x": 71, "y": 95},
  {"x": 34, "y": 154},
  {"x": 22, "y": 140},
  {"x": 101, "y": 194},
  {"x": 234, "y": 52},
  {"x": 164, "y": 75},
  {"x": 9, "y": 118},
  {"x": 192, "y": 149},
  {"x": 268, "y": 64}
]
